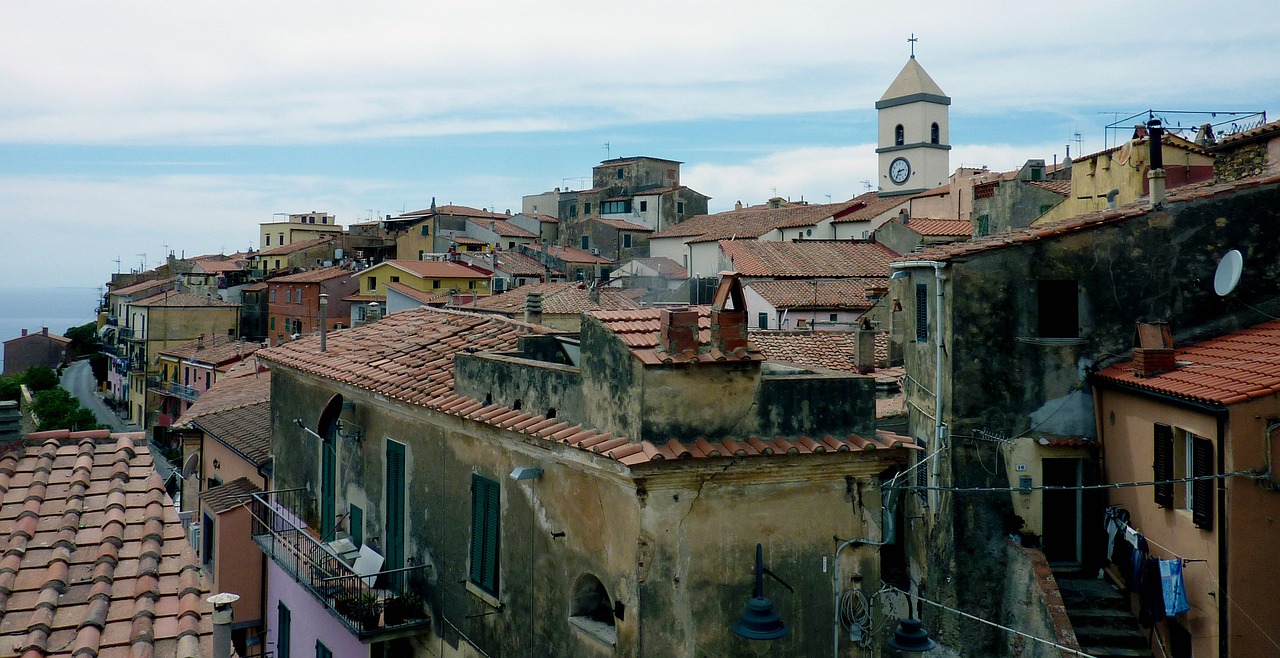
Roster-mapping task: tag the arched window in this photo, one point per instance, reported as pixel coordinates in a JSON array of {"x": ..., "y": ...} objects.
[
  {"x": 933, "y": 134},
  {"x": 591, "y": 611},
  {"x": 899, "y": 136}
]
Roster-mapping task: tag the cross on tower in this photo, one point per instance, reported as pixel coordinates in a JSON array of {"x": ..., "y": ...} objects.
[{"x": 913, "y": 41}]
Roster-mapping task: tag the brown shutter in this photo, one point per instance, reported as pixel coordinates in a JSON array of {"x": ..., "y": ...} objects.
[
  {"x": 1202, "y": 492},
  {"x": 1163, "y": 465}
]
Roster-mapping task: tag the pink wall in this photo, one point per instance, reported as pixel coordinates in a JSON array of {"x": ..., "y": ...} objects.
[{"x": 310, "y": 619}]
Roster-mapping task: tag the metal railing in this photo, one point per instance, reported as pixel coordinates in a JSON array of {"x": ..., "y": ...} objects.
[
  {"x": 369, "y": 605},
  {"x": 178, "y": 390}
]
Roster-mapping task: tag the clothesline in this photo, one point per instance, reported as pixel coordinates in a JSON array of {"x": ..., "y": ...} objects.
[{"x": 1162, "y": 547}]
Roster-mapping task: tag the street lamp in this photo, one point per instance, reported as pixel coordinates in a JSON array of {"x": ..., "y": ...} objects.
[{"x": 760, "y": 621}]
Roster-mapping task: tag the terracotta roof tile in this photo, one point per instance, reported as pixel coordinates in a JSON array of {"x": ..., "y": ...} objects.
[
  {"x": 228, "y": 496},
  {"x": 502, "y": 227},
  {"x": 83, "y": 595},
  {"x": 754, "y": 258},
  {"x": 940, "y": 227},
  {"x": 436, "y": 269},
  {"x": 144, "y": 286},
  {"x": 751, "y": 222},
  {"x": 517, "y": 264},
  {"x": 183, "y": 300},
  {"x": 557, "y": 299},
  {"x": 314, "y": 276},
  {"x": 217, "y": 350},
  {"x": 833, "y": 350},
  {"x": 866, "y": 207},
  {"x": 623, "y": 225},
  {"x": 664, "y": 266},
  {"x": 1226, "y": 370},
  {"x": 571, "y": 255},
  {"x": 1059, "y": 187},
  {"x": 817, "y": 293}
]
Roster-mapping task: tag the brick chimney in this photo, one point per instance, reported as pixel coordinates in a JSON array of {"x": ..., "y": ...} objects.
[
  {"x": 24, "y": 332},
  {"x": 533, "y": 308},
  {"x": 729, "y": 325},
  {"x": 864, "y": 347},
  {"x": 44, "y": 331},
  {"x": 679, "y": 330},
  {"x": 1153, "y": 349}
]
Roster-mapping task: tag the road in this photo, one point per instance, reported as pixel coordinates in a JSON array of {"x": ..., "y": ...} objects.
[{"x": 77, "y": 378}]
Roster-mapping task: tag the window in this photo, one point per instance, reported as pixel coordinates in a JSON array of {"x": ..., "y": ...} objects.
[
  {"x": 297, "y": 296},
  {"x": 586, "y": 241},
  {"x": 471, "y": 285},
  {"x": 207, "y": 544},
  {"x": 355, "y": 525},
  {"x": 485, "y": 505},
  {"x": 373, "y": 283},
  {"x": 644, "y": 206},
  {"x": 591, "y": 611},
  {"x": 288, "y": 295},
  {"x": 922, "y": 313},
  {"x": 421, "y": 253},
  {"x": 1058, "y": 303},
  {"x": 268, "y": 242},
  {"x": 573, "y": 210},
  {"x": 284, "y": 628},
  {"x": 620, "y": 172},
  {"x": 322, "y": 651},
  {"x": 933, "y": 134},
  {"x": 626, "y": 240},
  {"x": 395, "y": 279},
  {"x": 899, "y": 136},
  {"x": 763, "y": 321},
  {"x": 834, "y": 317},
  {"x": 1200, "y": 462},
  {"x": 426, "y": 230},
  {"x": 615, "y": 207},
  {"x": 281, "y": 238},
  {"x": 277, "y": 263},
  {"x": 273, "y": 323},
  {"x": 435, "y": 283},
  {"x": 984, "y": 225},
  {"x": 207, "y": 381},
  {"x": 586, "y": 207},
  {"x": 679, "y": 207},
  {"x": 395, "y": 506}
]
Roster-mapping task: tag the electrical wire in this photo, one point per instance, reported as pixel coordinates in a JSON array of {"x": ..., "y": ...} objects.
[
  {"x": 921, "y": 599},
  {"x": 1253, "y": 475},
  {"x": 855, "y": 609}
]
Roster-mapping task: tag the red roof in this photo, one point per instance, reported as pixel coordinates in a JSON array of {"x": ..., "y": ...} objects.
[
  {"x": 142, "y": 286},
  {"x": 640, "y": 330},
  {"x": 557, "y": 299},
  {"x": 97, "y": 562},
  {"x": 314, "y": 276},
  {"x": 1226, "y": 370},
  {"x": 436, "y": 269},
  {"x": 571, "y": 255},
  {"x": 624, "y": 225},
  {"x": 217, "y": 350},
  {"x": 834, "y": 259},
  {"x": 867, "y": 206},
  {"x": 183, "y": 300},
  {"x": 751, "y": 222},
  {"x": 517, "y": 264},
  {"x": 502, "y": 227},
  {"x": 418, "y": 295},
  {"x": 817, "y": 293},
  {"x": 817, "y": 349},
  {"x": 294, "y": 247},
  {"x": 1059, "y": 187}
]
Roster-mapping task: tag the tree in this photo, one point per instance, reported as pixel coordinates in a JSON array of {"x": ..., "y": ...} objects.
[
  {"x": 84, "y": 340},
  {"x": 10, "y": 388},
  {"x": 40, "y": 378},
  {"x": 57, "y": 410}
]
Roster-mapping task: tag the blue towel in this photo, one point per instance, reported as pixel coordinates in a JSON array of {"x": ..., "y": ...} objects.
[{"x": 1175, "y": 590}]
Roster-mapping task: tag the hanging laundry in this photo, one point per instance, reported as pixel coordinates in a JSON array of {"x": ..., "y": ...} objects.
[
  {"x": 1137, "y": 560},
  {"x": 1150, "y": 593},
  {"x": 1175, "y": 589}
]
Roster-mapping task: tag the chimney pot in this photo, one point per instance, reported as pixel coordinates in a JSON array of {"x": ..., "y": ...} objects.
[{"x": 24, "y": 332}]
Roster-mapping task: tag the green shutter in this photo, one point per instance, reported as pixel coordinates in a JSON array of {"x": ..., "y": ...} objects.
[
  {"x": 1162, "y": 464},
  {"x": 284, "y": 628},
  {"x": 328, "y": 484},
  {"x": 395, "y": 505},
  {"x": 1202, "y": 490},
  {"x": 355, "y": 525},
  {"x": 485, "y": 507},
  {"x": 322, "y": 651}
]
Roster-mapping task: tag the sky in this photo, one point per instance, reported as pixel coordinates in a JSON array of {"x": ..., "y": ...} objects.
[{"x": 130, "y": 129}]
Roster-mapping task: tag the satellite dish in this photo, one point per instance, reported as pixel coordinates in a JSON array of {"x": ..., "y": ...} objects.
[
  {"x": 1228, "y": 274},
  {"x": 189, "y": 466}
]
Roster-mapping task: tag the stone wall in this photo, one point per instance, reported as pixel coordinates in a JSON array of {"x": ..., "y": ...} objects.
[{"x": 1248, "y": 160}]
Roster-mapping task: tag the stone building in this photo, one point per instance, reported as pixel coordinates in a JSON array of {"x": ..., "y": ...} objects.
[
  {"x": 599, "y": 493},
  {"x": 34, "y": 349}
]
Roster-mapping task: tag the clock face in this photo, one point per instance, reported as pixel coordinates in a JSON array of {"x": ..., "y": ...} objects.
[{"x": 899, "y": 170}]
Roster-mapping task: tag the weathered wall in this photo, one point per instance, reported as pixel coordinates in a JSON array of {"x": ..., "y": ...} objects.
[
  {"x": 897, "y": 237},
  {"x": 703, "y": 399},
  {"x": 1034, "y": 606},
  {"x": 536, "y": 386},
  {"x": 1014, "y": 205},
  {"x": 813, "y": 405}
]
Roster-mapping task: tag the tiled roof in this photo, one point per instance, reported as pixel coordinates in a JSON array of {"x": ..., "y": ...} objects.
[
  {"x": 245, "y": 429},
  {"x": 254, "y": 287},
  {"x": 463, "y": 239},
  {"x": 453, "y": 211},
  {"x": 640, "y": 329},
  {"x": 750, "y": 222},
  {"x": 571, "y": 255},
  {"x": 142, "y": 286},
  {"x": 96, "y": 562},
  {"x": 502, "y": 227},
  {"x": 314, "y": 276},
  {"x": 217, "y": 350},
  {"x": 36, "y": 334},
  {"x": 364, "y": 298},
  {"x": 418, "y": 295},
  {"x": 183, "y": 300},
  {"x": 1226, "y": 370},
  {"x": 557, "y": 299},
  {"x": 664, "y": 267},
  {"x": 408, "y": 356},
  {"x": 545, "y": 219},
  {"x": 867, "y": 206},
  {"x": 212, "y": 266},
  {"x": 1088, "y": 221},
  {"x": 438, "y": 269},
  {"x": 517, "y": 264},
  {"x": 659, "y": 190},
  {"x": 246, "y": 383},
  {"x": 294, "y": 247},
  {"x": 1246, "y": 135},
  {"x": 229, "y": 496},
  {"x": 940, "y": 227},
  {"x": 1059, "y": 187},
  {"x": 624, "y": 225},
  {"x": 816, "y": 349},
  {"x": 817, "y": 293},
  {"x": 808, "y": 259}
]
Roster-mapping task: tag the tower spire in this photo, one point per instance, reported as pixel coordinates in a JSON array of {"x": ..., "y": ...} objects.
[{"x": 912, "y": 40}]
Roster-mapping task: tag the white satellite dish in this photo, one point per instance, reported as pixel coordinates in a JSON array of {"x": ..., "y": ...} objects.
[
  {"x": 1228, "y": 274},
  {"x": 189, "y": 467}
]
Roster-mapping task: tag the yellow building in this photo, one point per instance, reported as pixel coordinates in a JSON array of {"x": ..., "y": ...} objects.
[
  {"x": 162, "y": 322},
  {"x": 301, "y": 226},
  {"x": 426, "y": 276},
  {"x": 1124, "y": 168}
]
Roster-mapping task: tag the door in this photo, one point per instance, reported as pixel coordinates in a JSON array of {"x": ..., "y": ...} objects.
[
  {"x": 1061, "y": 511},
  {"x": 395, "y": 510}
]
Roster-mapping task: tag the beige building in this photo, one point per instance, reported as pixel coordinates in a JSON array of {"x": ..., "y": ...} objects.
[{"x": 297, "y": 228}]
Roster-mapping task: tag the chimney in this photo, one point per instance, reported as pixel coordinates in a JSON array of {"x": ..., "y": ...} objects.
[
  {"x": 200, "y": 342},
  {"x": 374, "y": 312},
  {"x": 324, "y": 319},
  {"x": 593, "y": 293},
  {"x": 44, "y": 331},
  {"x": 729, "y": 326},
  {"x": 222, "y": 616},
  {"x": 1153, "y": 349},
  {"x": 864, "y": 347},
  {"x": 904, "y": 217},
  {"x": 679, "y": 330},
  {"x": 1155, "y": 177},
  {"x": 533, "y": 308},
  {"x": 24, "y": 332},
  {"x": 737, "y": 206}
]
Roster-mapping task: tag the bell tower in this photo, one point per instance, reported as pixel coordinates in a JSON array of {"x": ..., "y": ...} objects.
[{"x": 914, "y": 136}]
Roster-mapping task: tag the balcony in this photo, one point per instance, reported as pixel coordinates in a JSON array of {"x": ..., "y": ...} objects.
[
  {"x": 124, "y": 333},
  {"x": 372, "y": 605},
  {"x": 177, "y": 390}
]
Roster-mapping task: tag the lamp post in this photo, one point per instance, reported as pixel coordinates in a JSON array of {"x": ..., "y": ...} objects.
[{"x": 760, "y": 621}]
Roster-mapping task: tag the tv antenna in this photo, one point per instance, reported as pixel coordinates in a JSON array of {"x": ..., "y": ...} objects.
[{"x": 608, "y": 151}]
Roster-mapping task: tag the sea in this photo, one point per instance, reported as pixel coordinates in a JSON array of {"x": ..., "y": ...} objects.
[{"x": 58, "y": 308}]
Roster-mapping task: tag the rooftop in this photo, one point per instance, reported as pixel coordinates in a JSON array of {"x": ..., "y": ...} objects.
[
  {"x": 833, "y": 350},
  {"x": 294, "y": 247},
  {"x": 1059, "y": 187},
  {"x": 183, "y": 300},
  {"x": 229, "y": 496},
  {"x": 817, "y": 293},
  {"x": 664, "y": 267},
  {"x": 142, "y": 286},
  {"x": 502, "y": 227},
  {"x": 940, "y": 227},
  {"x": 451, "y": 210},
  {"x": 517, "y": 264},
  {"x": 418, "y": 295},
  {"x": 557, "y": 299},
  {"x": 836, "y": 259},
  {"x": 435, "y": 269},
  {"x": 571, "y": 255},
  {"x": 751, "y": 222},
  {"x": 97, "y": 561},
  {"x": 313, "y": 276},
  {"x": 912, "y": 80},
  {"x": 624, "y": 225},
  {"x": 216, "y": 350},
  {"x": 869, "y": 205},
  {"x": 1233, "y": 368}
]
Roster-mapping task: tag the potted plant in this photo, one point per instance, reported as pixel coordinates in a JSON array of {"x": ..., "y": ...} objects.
[
  {"x": 403, "y": 607},
  {"x": 361, "y": 608}
]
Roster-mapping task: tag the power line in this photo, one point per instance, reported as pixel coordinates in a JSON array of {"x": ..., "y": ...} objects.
[{"x": 1253, "y": 475}]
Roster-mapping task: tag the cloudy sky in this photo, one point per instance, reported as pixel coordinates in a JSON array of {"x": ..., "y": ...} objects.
[{"x": 130, "y": 128}]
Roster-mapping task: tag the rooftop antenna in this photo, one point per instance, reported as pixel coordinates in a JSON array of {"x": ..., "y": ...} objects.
[
  {"x": 143, "y": 256},
  {"x": 828, "y": 197},
  {"x": 117, "y": 264},
  {"x": 608, "y": 151},
  {"x": 866, "y": 185}
]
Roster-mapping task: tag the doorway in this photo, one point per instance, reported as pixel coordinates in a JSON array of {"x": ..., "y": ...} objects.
[{"x": 1062, "y": 511}]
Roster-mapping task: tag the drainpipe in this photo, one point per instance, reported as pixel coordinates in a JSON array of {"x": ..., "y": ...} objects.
[{"x": 324, "y": 318}]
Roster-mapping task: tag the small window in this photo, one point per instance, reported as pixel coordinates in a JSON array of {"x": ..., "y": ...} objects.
[
  {"x": 644, "y": 206},
  {"x": 834, "y": 317},
  {"x": 426, "y": 230},
  {"x": 271, "y": 296},
  {"x": 395, "y": 279},
  {"x": 268, "y": 242},
  {"x": 679, "y": 207},
  {"x": 586, "y": 242},
  {"x": 435, "y": 283},
  {"x": 297, "y": 296},
  {"x": 322, "y": 651},
  {"x": 207, "y": 541},
  {"x": 984, "y": 225},
  {"x": 373, "y": 283},
  {"x": 808, "y": 233},
  {"x": 933, "y": 134},
  {"x": 288, "y": 296},
  {"x": 586, "y": 207},
  {"x": 899, "y": 136},
  {"x": 922, "y": 312},
  {"x": 626, "y": 240},
  {"x": 277, "y": 263},
  {"x": 281, "y": 238},
  {"x": 620, "y": 172},
  {"x": 1058, "y": 304},
  {"x": 573, "y": 210},
  {"x": 208, "y": 381},
  {"x": 273, "y": 323},
  {"x": 762, "y": 320},
  {"x": 421, "y": 254},
  {"x": 471, "y": 285},
  {"x": 485, "y": 507}
]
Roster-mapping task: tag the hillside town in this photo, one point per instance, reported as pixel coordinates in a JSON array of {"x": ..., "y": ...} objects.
[{"x": 965, "y": 413}]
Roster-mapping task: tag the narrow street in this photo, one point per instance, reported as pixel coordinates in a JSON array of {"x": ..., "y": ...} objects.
[{"x": 77, "y": 378}]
